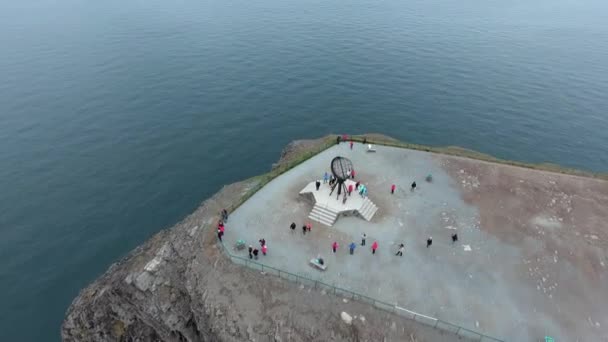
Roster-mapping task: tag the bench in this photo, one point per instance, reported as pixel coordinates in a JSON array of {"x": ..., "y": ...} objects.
[{"x": 315, "y": 263}]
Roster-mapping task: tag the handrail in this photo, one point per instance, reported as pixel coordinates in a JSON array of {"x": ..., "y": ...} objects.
[
  {"x": 413, "y": 315},
  {"x": 266, "y": 178}
]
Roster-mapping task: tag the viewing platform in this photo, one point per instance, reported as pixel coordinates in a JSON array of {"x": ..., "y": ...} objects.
[{"x": 327, "y": 208}]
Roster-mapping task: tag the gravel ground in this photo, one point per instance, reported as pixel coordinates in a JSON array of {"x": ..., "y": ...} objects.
[{"x": 530, "y": 260}]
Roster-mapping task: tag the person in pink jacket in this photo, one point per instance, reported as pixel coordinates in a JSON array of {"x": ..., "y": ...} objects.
[
  {"x": 334, "y": 246},
  {"x": 374, "y": 247},
  {"x": 264, "y": 249}
]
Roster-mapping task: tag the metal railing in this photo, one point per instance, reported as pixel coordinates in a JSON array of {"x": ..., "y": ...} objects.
[
  {"x": 338, "y": 291},
  {"x": 318, "y": 284}
]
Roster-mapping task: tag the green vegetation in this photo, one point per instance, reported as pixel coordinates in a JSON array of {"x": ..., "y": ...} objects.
[
  {"x": 376, "y": 139},
  {"x": 463, "y": 152}
]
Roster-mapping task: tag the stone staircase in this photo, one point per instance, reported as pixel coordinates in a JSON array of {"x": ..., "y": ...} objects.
[
  {"x": 323, "y": 214},
  {"x": 368, "y": 209}
]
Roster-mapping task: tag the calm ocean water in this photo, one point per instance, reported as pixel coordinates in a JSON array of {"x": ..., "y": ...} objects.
[{"x": 118, "y": 117}]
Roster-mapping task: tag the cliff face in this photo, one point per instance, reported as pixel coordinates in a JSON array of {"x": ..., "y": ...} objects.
[{"x": 179, "y": 286}]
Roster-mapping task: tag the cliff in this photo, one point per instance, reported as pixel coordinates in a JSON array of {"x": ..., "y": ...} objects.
[{"x": 179, "y": 286}]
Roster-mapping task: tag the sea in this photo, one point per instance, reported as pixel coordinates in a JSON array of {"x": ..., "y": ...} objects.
[{"x": 118, "y": 118}]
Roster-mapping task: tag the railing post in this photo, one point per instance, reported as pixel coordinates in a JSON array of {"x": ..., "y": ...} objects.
[
  {"x": 457, "y": 331},
  {"x": 436, "y": 322}
]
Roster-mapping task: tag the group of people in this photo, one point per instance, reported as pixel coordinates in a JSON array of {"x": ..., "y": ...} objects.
[
  {"x": 307, "y": 227},
  {"x": 394, "y": 187},
  {"x": 220, "y": 225},
  {"x": 253, "y": 252},
  {"x": 400, "y": 249},
  {"x": 353, "y": 245}
]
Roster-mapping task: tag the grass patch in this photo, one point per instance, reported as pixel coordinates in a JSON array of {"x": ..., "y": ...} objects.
[{"x": 328, "y": 141}]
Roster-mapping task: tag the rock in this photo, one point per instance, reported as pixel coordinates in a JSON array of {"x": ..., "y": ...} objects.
[
  {"x": 346, "y": 318},
  {"x": 144, "y": 281},
  {"x": 180, "y": 286}
]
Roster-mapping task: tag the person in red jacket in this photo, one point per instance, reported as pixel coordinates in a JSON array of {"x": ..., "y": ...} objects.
[
  {"x": 351, "y": 144},
  {"x": 374, "y": 247},
  {"x": 334, "y": 246},
  {"x": 350, "y": 189},
  {"x": 352, "y": 174},
  {"x": 264, "y": 249},
  {"x": 393, "y": 189}
]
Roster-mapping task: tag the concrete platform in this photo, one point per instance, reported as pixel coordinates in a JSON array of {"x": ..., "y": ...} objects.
[
  {"x": 531, "y": 259},
  {"x": 328, "y": 207}
]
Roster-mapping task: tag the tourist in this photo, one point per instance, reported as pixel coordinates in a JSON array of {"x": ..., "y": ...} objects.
[
  {"x": 374, "y": 247},
  {"x": 401, "y": 249},
  {"x": 325, "y": 178},
  {"x": 357, "y": 186},
  {"x": 293, "y": 226},
  {"x": 255, "y": 253},
  {"x": 309, "y": 227},
  {"x": 351, "y": 247},
  {"x": 429, "y": 242},
  {"x": 454, "y": 238},
  {"x": 364, "y": 141},
  {"x": 250, "y": 252},
  {"x": 413, "y": 186},
  {"x": 262, "y": 241},
  {"x": 318, "y": 184},
  {"x": 393, "y": 189},
  {"x": 351, "y": 144},
  {"x": 363, "y": 237},
  {"x": 348, "y": 174},
  {"x": 338, "y": 140},
  {"x": 220, "y": 233},
  {"x": 225, "y": 215},
  {"x": 304, "y": 229},
  {"x": 352, "y": 174},
  {"x": 264, "y": 249},
  {"x": 350, "y": 189},
  {"x": 334, "y": 246}
]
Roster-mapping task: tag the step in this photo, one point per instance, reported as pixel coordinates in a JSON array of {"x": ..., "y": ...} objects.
[
  {"x": 368, "y": 209},
  {"x": 323, "y": 215},
  {"x": 320, "y": 213},
  {"x": 324, "y": 211},
  {"x": 370, "y": 214},
  {"x": 322, "y": 220}
]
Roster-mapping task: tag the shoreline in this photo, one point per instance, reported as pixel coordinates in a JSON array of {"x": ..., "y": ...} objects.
[{"x": 133, "y": 282}]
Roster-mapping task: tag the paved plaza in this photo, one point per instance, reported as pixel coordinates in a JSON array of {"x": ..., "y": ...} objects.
[{"x": 480, "y": 282}]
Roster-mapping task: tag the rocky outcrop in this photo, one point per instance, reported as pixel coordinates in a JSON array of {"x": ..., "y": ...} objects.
[{"x": 179, "y": 286}]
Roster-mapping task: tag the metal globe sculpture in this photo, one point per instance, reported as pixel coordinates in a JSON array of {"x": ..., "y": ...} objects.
[{"x": 341, "y": 168}]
